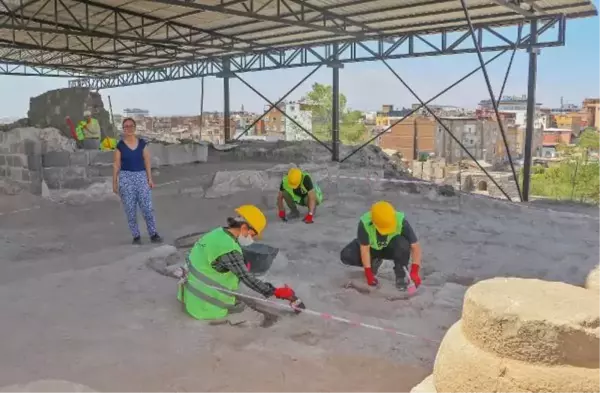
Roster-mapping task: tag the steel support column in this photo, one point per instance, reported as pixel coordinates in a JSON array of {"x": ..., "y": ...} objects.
[
  {"x": 335, "y": 107},
  {"x": 531, "y": 109},
  {"x": 226, "y": 111}
]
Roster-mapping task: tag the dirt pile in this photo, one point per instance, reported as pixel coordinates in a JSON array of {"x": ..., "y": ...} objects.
[
  {"x": 522, "y": 335},
  {"x": 593, "y": 280}
]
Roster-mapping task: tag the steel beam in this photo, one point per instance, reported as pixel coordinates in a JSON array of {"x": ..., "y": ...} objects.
[
  {"x": 276, "y": 104},
  {"x": 328, "y": 23},
  {"x": 349, "y": 52},
  {"x": 491, "y": 92},
  {"x": 226, "y": 101},
  {"x": 335, "y": 107},
  {"x": 531, "y": 111}
]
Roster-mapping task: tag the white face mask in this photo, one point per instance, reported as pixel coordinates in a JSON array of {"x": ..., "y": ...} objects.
[{"x": 245, "y": 240}]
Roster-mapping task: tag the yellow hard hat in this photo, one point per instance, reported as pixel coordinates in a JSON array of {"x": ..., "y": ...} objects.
[
  {"x": 253, "y": 216},
  {"x": 294, "y": 177},
  {"x": 383, "y": 216}
]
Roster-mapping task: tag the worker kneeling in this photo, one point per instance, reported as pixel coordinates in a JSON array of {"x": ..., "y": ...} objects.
[
  {"x": 384, "y": 233},
  {"x": 216, "y": 265},
  {"x": 298, "y": 188}
]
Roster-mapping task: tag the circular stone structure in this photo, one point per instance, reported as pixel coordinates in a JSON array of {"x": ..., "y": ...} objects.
[
  {"x": 461, "y": 366},
  {"x": 534, "y": 321},
  {"x": 47, "y": 385},
  {"x": 593, "y": 280}
]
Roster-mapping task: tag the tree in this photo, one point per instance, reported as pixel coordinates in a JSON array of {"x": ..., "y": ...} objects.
[
  {"x": 352, "y": 129},
  {"x": 575, "y": 177}
]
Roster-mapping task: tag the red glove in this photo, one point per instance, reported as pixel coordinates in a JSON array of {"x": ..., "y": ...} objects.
[
  {"x": 308, "y": 219},
  {"x": 414, "y": 274},
  {"x": 285, "y": 293},
  {"x": 371, "y": 280},
  {"x": 282, "y": 214}
]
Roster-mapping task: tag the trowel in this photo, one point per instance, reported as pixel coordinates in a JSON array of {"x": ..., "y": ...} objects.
[
  {"x": 297, "y": 305},
  {"x": 411, "y": 288}
]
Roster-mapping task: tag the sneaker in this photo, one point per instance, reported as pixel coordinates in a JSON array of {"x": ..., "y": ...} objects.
[
  {"x": 401, "y": 284},
  {"x": 137, "y": 241},
  {"x": 156, "y": 238}
]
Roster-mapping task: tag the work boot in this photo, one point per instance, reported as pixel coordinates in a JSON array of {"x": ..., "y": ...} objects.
[
  {"x": 401, "y": 284},
  {"x": 375, "y": 265},
  {"x": 156, "y": 238},
  {"x": 137, "y": 241}
]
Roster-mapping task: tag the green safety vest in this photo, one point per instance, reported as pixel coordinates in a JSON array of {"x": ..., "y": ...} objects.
[
  {"x": 296, "y": 198},
  {"x": 201, "y": 301},
  {"x": 372, "y": 231},
  {"x": 79, "y": 130}
]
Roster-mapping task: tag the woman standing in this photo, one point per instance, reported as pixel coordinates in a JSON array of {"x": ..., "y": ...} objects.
[{"x": 132, "y": 181}]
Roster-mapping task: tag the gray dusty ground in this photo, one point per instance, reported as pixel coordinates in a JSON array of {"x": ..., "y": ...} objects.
[{"x": 79, "y": 303}]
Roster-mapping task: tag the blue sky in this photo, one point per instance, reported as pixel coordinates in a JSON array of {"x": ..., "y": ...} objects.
[{"x": 571, "y": 71}]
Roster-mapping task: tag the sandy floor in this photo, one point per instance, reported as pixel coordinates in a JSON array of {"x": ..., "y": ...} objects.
[{"x": 79, "y": 303}]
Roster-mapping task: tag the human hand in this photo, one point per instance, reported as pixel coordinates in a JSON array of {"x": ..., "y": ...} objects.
[
  {"x": 308, "y": 219},
  {"x": 150, "y": 183},
  {"x": 116, "y": 188},
  {"x": 285, "y": 293},
  {"x": 371, "y": 279},
  {"x": 414, "y": 274},
  {"x": 282, "y": 215}
]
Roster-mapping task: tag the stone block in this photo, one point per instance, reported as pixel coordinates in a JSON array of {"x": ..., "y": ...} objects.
[
  {"x": 2, "y": 160},
  {"x": 16, "y": 173},
  {"x": 103, "y": 171},
  {"x": 75, "y": 183},
  {"x": 53, "y": 177},
  {"x": 25, "y": 175},
  {"x": 426, "y": 386},
  {"x": 56, "y": 159},
  {"x": 32, "y": 147},
  {"x": 185, "y": 154},
  {"x": 461, "y": 366},
  {"x": 157, "y": 154},
  {"x": 97, "y": 157},
  {"x": 79, "y": 158},
  {"x": 34, "y": 162},
  {"x": 534, "y": 321}
]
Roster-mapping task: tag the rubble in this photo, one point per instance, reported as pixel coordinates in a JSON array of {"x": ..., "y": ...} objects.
[
  {"x": 522, "y": 335},
  {"x": 592, "y": 281},
  {"x": 312, "y": 152}
]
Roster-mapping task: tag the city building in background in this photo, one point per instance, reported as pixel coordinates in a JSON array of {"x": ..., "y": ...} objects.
[
  {"x": 591, "y": 108},
  {"x": 411, "y": 137},
  {"x": 301, "y": 113}
]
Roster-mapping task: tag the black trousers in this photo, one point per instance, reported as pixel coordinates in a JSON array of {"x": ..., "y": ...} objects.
[
  {"x": 289, "y": 201},
  {"x": 397, "y": 251}
]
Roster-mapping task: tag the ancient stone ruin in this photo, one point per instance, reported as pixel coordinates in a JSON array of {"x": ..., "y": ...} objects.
[
  {"x": 521, "y": 335},
  {"x": 51, "y": 109}
]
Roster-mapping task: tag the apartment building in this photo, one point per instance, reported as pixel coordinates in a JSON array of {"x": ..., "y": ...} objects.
[
  {"x": 410, "y": 137},
  {"x": 272, "y": 124},
  {"x": 591, "y": 107},
  {"x": 518, "y": 106},
  {"x": 302, "y": 115},
  {"x": 389, "y": 115},
  {"x": 468, "y": 130}
]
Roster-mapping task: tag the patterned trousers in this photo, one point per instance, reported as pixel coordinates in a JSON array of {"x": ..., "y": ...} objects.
[{"x": 135, "y": 191}]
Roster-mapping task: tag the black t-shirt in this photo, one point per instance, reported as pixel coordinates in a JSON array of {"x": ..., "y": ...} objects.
[
  {"x": 407, "y": 232},
  {"x": 308, "y": 185}
]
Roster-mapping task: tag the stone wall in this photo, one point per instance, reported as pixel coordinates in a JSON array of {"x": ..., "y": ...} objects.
[
  {"x": 30, "y": 158},
  {"x": 21, "y": 159},
  {"x": 79, "y": 169},
  {"x": 51, "y": 109}
]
